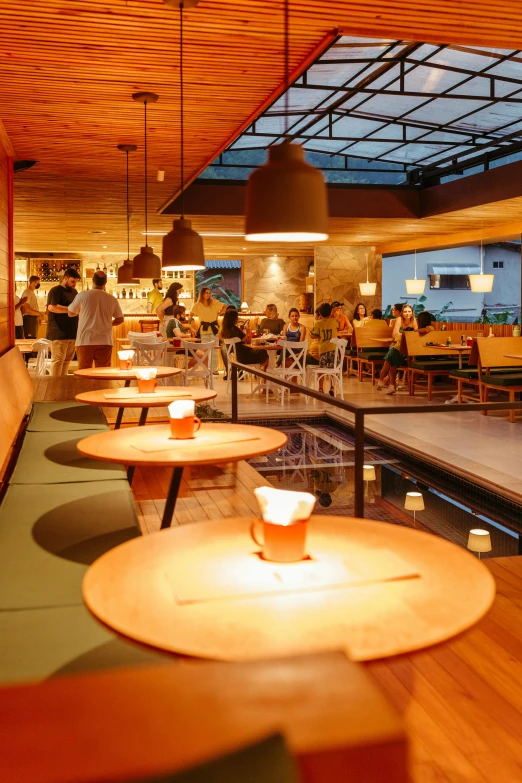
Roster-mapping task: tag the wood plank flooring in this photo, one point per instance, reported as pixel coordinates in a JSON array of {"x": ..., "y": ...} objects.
[{"x": 461, "y": 701}]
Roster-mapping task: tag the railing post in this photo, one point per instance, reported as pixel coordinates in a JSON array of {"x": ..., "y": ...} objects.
[
  {"x": 359, "y": 462},
  {"x": 233, "y": 368}
]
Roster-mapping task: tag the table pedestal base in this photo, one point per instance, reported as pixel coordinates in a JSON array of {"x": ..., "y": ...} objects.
[
  {"x": 172, "y": 495},
  {"x": 141, "y": 423}
]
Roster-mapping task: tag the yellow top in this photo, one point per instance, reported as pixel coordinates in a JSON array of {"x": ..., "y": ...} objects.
[
  {"x": 324, "y": 330},
  {"x": 155, "y": 298}
]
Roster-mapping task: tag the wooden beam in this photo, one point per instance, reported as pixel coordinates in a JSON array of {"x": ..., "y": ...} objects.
[{"x": 495, "y": 232}]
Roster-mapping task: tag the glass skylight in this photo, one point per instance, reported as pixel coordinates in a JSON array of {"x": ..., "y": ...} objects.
[{"x": 392, "y": 112}]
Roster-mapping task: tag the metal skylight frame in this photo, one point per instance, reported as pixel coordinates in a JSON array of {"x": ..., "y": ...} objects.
[{"x": 406, "y": 128}]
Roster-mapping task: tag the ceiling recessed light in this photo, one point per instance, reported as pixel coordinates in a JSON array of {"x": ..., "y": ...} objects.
[{"x": 105, "y": 247}]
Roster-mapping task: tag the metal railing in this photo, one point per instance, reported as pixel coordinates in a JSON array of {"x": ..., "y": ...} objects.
[{"x": 360, "y": 411}]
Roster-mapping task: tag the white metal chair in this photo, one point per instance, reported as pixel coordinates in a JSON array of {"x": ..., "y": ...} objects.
[
  {"x": 41, "y": 365},
  {"x": 151, "y": 354},
  {"x": 199, "y": 355},
  {"x": 230, "y": 348},
  {"x": 295, "y": 355},
  {"x": 143, "y": 337},
  {"x": 335, "y": 373}
]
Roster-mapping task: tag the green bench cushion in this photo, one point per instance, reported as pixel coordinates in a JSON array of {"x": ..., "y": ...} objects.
[
  {"x": 42, "y": 643},
  {"x": 65, "y": 416},
  {"x": 52, "y": 458},
  {"x": 377, "y": 349},
  {"x": 50, "y": 534},
  {"x": 372, "y": 357},
  {"x": 435, "y": 366},
  {"x": 502, "y": 379},
  {"x": 471, "y": 373}
]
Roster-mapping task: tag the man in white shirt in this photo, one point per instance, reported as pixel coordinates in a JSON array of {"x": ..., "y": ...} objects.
[
  {"x": 97, "y": 313},
  {"x": 30, "y": 310},
  {"x": 19, "y": 319}
]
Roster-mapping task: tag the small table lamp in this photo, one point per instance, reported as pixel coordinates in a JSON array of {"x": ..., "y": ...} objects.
[
  {"x": 414, "y": 501},
  {"x": 369, "y": 475},
  {"x": 479, "y": 541}
]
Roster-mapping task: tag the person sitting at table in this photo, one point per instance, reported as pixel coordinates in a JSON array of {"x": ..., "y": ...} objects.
[
  {"x": 394, "y": 358},
  {"x": 245, "y": 354},
  {"x": 294, "y": 331},
  {"x": 175, "y": 327},
  {"x": 271, "y": 322},
  {"x": 169, "y": 303},
  {"x": 224, "y": 354},
  {"x": 325, "y": 330},
  {"x": 360, "y": 316},
  {"x": 342, "y": 319},
  {"x": 376, "y": 315},
  {"x": 424, "y": 320}
]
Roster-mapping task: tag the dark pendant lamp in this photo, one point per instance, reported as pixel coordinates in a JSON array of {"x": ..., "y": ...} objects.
[
  {"x": 125, "y": 270},
  {"x": 146, "y": 264},
  {"x": 286, "y": 198},
  {"x": 182, "y": 247}
]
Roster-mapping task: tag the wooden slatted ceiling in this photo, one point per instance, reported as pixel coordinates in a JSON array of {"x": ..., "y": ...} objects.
[{"x": 68, "y": 70}]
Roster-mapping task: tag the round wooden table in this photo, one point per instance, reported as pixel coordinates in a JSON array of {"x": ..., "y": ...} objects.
[
  {"x": 131, "y": 398},
  {"x": 193, "y": 590},
  {"x": 213, "y": 444}
]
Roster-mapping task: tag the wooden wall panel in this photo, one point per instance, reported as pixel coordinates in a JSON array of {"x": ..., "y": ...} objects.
[{"x": 6, "y": 249}]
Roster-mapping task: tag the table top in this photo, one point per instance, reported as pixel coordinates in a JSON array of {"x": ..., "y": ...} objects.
[
  {"x": 25, "y": 346},
  {"x": 462, "y": 348},
  {"x": 131, "y": 397},
  {"x": 131, "y": 588},
  {"x": 213, "y": 443},
  {"x": 381, "y": 339},
  {"x": 513, "y": 356},
  {"x": 115, "y": 374}
]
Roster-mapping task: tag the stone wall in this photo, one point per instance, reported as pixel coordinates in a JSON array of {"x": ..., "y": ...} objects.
[
  {"x": 274, "y": 279},
  {"x": 340, "y": 269}
]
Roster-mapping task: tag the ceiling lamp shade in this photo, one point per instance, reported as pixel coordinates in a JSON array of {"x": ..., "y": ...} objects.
[
  {"x": 414, "y": 501},
  {"x": 367, "y": 289},
  {"x": 286, "y": 199},
  {"x": 481, "y": 284},
  {"x": 182, "y": 248},
  {"x": 415, "y": 286},
  {"x": 146, "y": 264},
  {"x": 479, "y": 540},
  {"x": 369, "y": 473},
  {"x": 125, "y": 276}
]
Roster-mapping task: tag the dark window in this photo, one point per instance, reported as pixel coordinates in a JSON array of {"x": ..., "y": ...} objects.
[
  {"x": 454, "y": 282},
  {"x": 498, "y": 265}
]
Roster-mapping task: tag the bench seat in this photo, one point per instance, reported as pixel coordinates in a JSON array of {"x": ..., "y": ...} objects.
[
  {"x": 65, "y": 416},
  {"x": 502, "y": 379},
  {"x": 51, "y": 533},
  {"x": 52, "y": 458},
  {"x": 435, "y": 365}
]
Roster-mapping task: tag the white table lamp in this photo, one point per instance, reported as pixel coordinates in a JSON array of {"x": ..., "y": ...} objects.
[
  {"x": 479, "y": 541},
  {"x": 414, "y": 501}
]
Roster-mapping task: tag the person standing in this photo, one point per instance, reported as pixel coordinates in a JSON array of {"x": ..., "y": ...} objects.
[
  {"x": 19, "y": 319},
  {"x": 30, "y": 310},
  {"x": 167, "y": 305},
  {"x": 97, "y": 313},
  {"x": 155, "y": 297},
  {"x": 206, "y": 310},
  {"x": 61, "y": 329}
]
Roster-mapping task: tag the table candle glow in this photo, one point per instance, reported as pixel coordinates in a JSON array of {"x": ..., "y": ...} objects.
[
  {"x": 182, "y": 409},
  {"x": 284, "y": 515},
  {"x": 125, "y": 354},
  {"x": 125, "y": 358},
  {"x": 146, "y": 373}
]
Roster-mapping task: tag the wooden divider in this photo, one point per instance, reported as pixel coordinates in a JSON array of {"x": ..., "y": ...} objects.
[{"x": 16, "y": 392}]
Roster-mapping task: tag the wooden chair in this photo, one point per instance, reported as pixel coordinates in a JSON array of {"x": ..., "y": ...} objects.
[
  {"x": 370, "y": 351},
  {"x": 497, "y": 371},
  {"x": 428, "y": 361},
  {"x": 149, "y": 325}
]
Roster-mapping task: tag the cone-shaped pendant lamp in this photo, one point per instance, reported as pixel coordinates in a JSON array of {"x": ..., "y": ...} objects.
[
  {"x": 367, "y": 289},
  {"x": 125, "y": 270},
  {"x": 182, "y": 247},
  {"x": 286, "y": 199},
  {"x": 481, "y": 284},
  {"x": 415, "y": 286},
  {"x": 146, "y": 264}
]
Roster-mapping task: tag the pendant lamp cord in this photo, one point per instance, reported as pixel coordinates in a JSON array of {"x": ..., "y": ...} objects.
[
  {"x": 182, "y": 133},
  {"x": 146, "y": 191},
  {"x": 128, "y": 212},
  {"x": 415, "y": 264},
  {"x": 287, "y": 63}
]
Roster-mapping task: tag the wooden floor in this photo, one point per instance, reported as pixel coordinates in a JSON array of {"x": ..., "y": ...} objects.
[{"x": 461, "y": 701}]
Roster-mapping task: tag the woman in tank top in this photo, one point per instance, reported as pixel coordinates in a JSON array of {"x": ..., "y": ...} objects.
[{"x": 293, "y": 331}]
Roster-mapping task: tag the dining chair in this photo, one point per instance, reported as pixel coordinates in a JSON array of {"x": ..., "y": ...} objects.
[
  {"x": 230, "y": 348},
  {"x": 41, "y": 365},
  {"x": 198, "y": 363},
  {"x": 293, "y": 355},
  {"x": 151, "y": 354},
  {"x": 143, "y": 337},
  {"x": 335, "y": 373}
]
